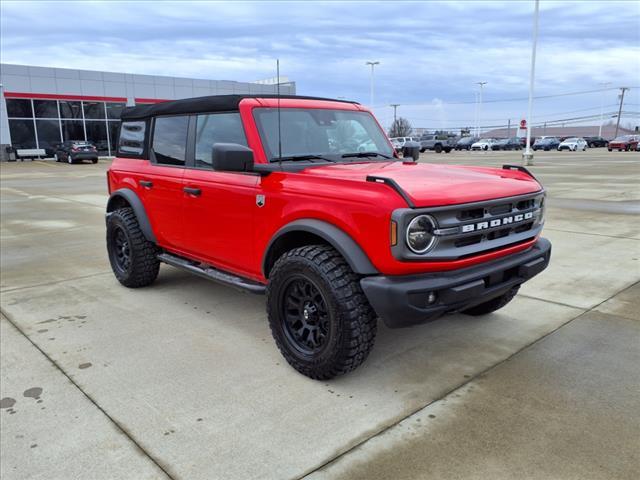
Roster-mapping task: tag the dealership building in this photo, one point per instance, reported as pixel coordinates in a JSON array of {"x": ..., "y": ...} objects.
[{"x": 41, "y": 107}]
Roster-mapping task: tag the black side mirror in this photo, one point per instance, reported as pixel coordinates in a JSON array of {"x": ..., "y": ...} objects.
[{"x": 231, "y": 157}]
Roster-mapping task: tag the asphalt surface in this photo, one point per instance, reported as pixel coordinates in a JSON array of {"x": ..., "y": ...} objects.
[{"x": 182, "y": 380}]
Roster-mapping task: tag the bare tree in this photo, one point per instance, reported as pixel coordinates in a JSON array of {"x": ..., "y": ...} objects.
[{"x": 400, "y": 128}]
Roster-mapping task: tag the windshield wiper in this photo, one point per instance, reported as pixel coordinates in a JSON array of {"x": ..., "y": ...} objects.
[
  {"x": 365, "y": 155},
  {"x": 295, "y": 158}
]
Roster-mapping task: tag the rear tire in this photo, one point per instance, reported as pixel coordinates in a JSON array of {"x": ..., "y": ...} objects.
[
  {"x": 134, "y": 259},
  {"x": 94, "y": 161},
  {"x": 493, "y": 304},
  {"x": 319, "y": 317}
]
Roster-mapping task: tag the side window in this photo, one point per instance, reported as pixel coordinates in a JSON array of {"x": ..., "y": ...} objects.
[
  {"x": 170, "y": 140},
  {"x": 216, "y": 128},
  {"x": 131, "y": 138}
]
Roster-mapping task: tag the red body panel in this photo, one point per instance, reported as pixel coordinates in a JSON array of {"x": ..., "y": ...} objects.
[{"x": 225, "y": 227}]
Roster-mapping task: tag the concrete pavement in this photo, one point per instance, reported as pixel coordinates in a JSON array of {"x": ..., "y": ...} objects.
[{"x": 188, "y": 372}]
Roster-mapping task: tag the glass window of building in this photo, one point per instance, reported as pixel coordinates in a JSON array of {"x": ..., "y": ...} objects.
[
  {"x": 97, "y": 134},
  {"x": 113, "y": 128},
  {"x": 19, "y": 108},
  {"x": 23, "y": 134},
  {"x": 70, "y": 110},
  {"x": 72, "y": 130},
  {"x": 45, "y": 108},
  {"x": 170, "y": 140},
  {"x": 94, "y": 110},
  {"x": 216, "y": 128},
  {"x": 48, "y": 134},
  {"x": 114, "y": 110}
]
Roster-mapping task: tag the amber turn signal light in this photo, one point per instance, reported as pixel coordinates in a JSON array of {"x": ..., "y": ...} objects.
[{"x": 394, "y": 233}]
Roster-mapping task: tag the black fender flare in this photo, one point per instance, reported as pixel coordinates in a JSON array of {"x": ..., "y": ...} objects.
[
  {"x": 334, "y": 236},
  {"x": 138, "y": 208}
]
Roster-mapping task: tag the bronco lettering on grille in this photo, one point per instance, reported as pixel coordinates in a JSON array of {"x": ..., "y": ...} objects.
[{"x": 497, "y": 222}]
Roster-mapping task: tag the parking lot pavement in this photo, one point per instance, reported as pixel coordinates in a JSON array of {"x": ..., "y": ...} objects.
[
  {"x": 50, "y": 429},
  {"x": 188, "y": 369}
]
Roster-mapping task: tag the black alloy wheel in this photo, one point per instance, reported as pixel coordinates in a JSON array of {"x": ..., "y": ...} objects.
[
  {"x": 122, "y": 250},
  {"x": 304, "y": 315}
]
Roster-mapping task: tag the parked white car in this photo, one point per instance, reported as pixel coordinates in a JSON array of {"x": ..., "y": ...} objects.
[
  {"x": 574, "y": 144},
  {"x": 483, "y": 144},
  {"x": 398, "y": 142}
]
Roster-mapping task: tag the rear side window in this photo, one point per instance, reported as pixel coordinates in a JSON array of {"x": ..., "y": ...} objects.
[
  {"x": 170, "y": 140},
  {"x": 131, "y": 140},
  {"x": 216, "y": 128}
]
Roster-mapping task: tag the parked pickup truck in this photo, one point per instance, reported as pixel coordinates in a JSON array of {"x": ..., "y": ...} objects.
[
  {"x": 271, "y": 195},
  {"x": 437, "y": 143}
]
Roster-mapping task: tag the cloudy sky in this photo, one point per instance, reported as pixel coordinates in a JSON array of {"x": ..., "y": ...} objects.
[{"x": 430, "y": 53}]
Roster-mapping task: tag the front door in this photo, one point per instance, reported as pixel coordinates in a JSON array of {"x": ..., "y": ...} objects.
[{"x": 219, "y": 207}]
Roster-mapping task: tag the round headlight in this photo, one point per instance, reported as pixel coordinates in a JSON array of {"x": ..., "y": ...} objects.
[{"x": 420, "y": 236}]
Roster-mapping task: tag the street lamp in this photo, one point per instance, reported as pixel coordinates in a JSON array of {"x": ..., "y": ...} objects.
[
  {"x": 482, "y": 84},
  {"x": 604, "y": 86},
  {"x": 373, "y": 64},
  {"x": 527, "y": 156}
]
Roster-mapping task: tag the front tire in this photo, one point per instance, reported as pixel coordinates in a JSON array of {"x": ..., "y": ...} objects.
[
  {"x": 493, "y": 304},
  {"x": 69, "y": 159},
  {"x": 320, "y": 319},
  {"x": 134, "y": 259}
]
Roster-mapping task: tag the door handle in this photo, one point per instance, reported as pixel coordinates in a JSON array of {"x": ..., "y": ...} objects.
[
  {"x": 192, "y": 191},
  {"x": 146, "y": 183}
]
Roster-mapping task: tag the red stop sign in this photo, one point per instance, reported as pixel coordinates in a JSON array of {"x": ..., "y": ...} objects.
[{"x": 523, "y": 123}]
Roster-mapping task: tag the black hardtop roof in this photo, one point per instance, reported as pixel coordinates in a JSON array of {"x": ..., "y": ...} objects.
[{"x": 212, "y": 103}]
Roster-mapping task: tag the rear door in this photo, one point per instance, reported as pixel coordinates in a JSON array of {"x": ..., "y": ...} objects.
[
  {"x": 160, "y": 180},
  {"x": 219, "y": 207}
]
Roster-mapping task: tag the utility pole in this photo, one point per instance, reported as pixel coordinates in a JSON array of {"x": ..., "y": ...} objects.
[
  {"x": 372, "y": 64},
  {"x": 604, "y": 87},
  {"x": 395, "y": 108},
  {"x": 527, "y": 156},
  {"x": 475, "y": 114},
  {"x": 622, "y": 90},
  {"x": 482, "y": 84},
  {"x": 509, "y": 129}
]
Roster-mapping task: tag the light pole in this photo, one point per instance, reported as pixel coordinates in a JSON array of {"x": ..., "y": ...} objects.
[
  {"x": 482, "y": 84},
  {"x": 373, "y": 64},
  {"x": 475, "y": 114},
  {"x": 604, "y": 87},
  {"x": 527, "y": 156},
  {"x": 622, "y": 90}
]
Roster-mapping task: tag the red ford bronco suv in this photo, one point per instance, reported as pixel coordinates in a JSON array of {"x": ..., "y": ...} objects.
[{"x": 304, "y": 199}]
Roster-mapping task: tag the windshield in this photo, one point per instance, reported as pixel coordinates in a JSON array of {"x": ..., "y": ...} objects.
[
  {"x": 571, "y": 140},
  {"x": 623, "y": 138},
  {"x": 320, "y": 132}
]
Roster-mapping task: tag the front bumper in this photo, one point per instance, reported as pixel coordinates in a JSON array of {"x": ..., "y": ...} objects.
[{"x": 402, "y": 301}]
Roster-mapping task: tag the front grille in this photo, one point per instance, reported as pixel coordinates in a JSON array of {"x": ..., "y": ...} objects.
[{"x": 471, "y": 229}]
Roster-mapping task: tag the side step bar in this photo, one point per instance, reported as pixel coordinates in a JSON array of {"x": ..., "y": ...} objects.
[{"x": 213, "y": 273}]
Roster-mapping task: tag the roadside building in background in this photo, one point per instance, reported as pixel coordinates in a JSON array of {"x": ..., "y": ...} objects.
[{"x": 41, "y": 107}]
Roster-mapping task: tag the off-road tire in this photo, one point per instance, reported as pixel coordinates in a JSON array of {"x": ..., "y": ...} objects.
[
  {"x": 493, "y": 304},
  {"x": 352, "y": 321},
  {"x": 144, "y": 264}
]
